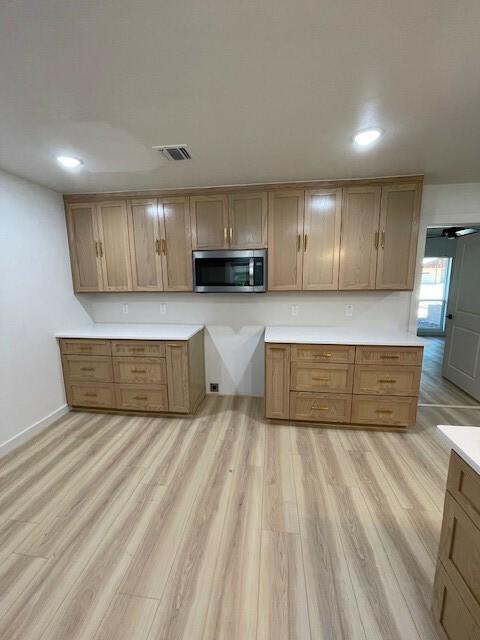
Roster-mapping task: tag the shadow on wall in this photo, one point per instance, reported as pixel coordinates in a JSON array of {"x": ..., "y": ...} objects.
[{"x": 235, "y": 359}]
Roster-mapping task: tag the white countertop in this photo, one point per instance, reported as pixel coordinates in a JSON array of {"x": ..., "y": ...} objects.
[
  {"x": 139, "y": 331},
  {"x": 465, "y": 441},
  {"x": 341, "y": 335}
]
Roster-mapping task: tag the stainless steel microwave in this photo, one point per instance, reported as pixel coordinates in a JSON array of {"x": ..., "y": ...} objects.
[{"x": 230, "y": 271}]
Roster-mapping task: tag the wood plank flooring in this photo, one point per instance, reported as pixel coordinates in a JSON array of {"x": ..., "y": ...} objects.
[{"x": 221, "y": 527}]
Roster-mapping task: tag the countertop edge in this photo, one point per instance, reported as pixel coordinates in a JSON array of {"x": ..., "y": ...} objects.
[
  {"x": 86, "y": 334},
  {"x": 458, "y": 448}
]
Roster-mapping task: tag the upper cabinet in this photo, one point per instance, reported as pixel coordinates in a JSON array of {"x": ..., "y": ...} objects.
[
  {"x": 177, "y": 245},
  {"x": 238, "y": 221},
  {"x": 285, "y": 239},
  {"x": 359, "y": 237},
  {"x": 84, "y": 247},
  {"x": 321, "y": 239},
  {"x": 398, "y": 235},
  {"x": 247, "y": 220},
  {"x": 209, "y": 215},
  {"x": 145, "y": 247}
]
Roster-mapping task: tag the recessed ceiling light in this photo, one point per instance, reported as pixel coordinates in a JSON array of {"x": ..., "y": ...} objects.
[
  {"x": 367, "y": 136},
  {"x": 69, "y": 162}
]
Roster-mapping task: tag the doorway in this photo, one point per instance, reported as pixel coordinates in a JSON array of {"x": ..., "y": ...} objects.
[{"x": 448, "y": 316}]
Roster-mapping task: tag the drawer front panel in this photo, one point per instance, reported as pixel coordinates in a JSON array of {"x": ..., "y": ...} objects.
[
  {"x": 453, "y": 619},
  {"x": 375, "y": 410},
  {"x": 84, "y": 394},
  {"x": 329, "y": 378},
  {"x": 464, "y": 484},
  {"x": 138, "y": 348},
  {"x": 385, "y": 381},
  {"x": 389, "y": 355},
  {"x": 142, "y": 398},
  {"x": 85, "y": 347},
  {"x": 320, "y": 407},
  {"x": 459, "y": 552},
  {"x": 342, "y": 354},
  {"x": 140, "y": 370},
  {"x": 84, "y": 368}
]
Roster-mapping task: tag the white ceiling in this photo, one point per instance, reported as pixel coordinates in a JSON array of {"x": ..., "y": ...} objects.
[{"x": 261, "y": 90}]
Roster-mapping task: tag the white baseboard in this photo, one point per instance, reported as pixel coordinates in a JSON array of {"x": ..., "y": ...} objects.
[{"x": 32, "y": 430}]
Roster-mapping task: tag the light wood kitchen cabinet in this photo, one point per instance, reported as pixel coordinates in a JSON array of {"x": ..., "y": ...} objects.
[
  {"x": 321, "y": 239},
  {"x": 209, "y": 220},
  {"x": 144, "y": 236},
  {"x": 176, "y": 254},
  {"x": 114, "y": 247},
  {"x": 285, "y": 239},
  {"x": 247, "y": 220},
  {"x": 277, "y": 381},
  {"x": 84, "y": 247},
  {"x": 359, "y": 237},
  {"x": 398, "y": 235}
]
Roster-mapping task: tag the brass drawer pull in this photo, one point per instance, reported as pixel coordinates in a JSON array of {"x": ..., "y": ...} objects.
[
  {"x": 389, "y": 357},
  {"x": 140, "y": 398},
  {"x": 375, "y": 242},
  {"x": 137, "y": 348},
  {"x": 90, "y": 395},
  {"x": 139, "y": 371},
  {"x": 321, "y": 379},
  {"x": 299, "y": 242},
  {"x": 85, "y": 348},
  {"x": 387, "y": 381},
  {"x": 87, "y": 368},
  {"x": 382, "y": 412},
  {"x": 320, "y": 407},
  {"x": 322, "y": 355}
]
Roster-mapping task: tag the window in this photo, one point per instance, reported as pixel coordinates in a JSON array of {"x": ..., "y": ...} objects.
[{"x": 432, "y": 305}]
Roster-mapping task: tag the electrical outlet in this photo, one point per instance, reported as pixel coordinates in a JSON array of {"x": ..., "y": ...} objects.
[
  {"x": 349, "y": 310},
  {"x": 294, "y": 310},
  {"x": 125, "y": 309},
  {"x": 163, "y": 309},
  {"x": 213, "y": 387}
]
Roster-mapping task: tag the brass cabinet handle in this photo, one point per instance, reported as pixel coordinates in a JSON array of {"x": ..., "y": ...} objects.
[
  {"x": 387, "y": 380},
  {"x": 389, "y": 357},
  {"x": 322, "y": 355},
  {"x": 100, "y": 246},
  {"x": 96, "y": 249},
  {"x": 231, "y": 235},
  {"x": 225, "y": 235},
  {"x": 164, "y": 246},
  {"x": 157, "y": 246},
  {"x": 299, "y": 242},
  {"x": 376, "y": 239},
  {"x": 90, "y": 395},
  {"x": 137, "y": 348},
  {"x": 87, "y": 369},
  {"x": 305, "y": 240},
  {"x": 139, "y": 371},
  {"x": 140, "y": 397},
  {"x": 324, "y": 378},
  {"x": 386, "y": 412},
  {"x": 85, "y": 348},
  {"x": 382, "y": 242},
  {"x": 319, "y": 407}
]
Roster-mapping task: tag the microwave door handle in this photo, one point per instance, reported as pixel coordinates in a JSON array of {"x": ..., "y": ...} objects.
[{"x": 251, "y": 271}]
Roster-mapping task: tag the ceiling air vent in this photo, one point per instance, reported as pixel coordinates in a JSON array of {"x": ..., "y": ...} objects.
[{"x": 174, "y": 151}]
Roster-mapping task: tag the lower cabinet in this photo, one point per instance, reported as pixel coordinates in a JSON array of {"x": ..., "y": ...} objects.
[
  {"x": 456, "y": 591},
  {"x": 331, "y": 384},
  {"x": 136, "y": 375}
]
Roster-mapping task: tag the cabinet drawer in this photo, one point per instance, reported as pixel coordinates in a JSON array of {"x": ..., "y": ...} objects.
[
  {"x": 320, "y": 407},
  {"x": 459, "y": 552},
  {"x": 464, "y": 485},
  {"x": 389, "y": 355},
  {"x": 85, "y": 347},
  {"x": 138, "y": 348},
  {"x": 342, "y": 354},
  {"x": 140, "y": 370},
  {"x": 392, "y": 411},
  {"x": 453, "y": 619},
  {"x": 330, "y": 378},
  {"x": 79, "y": 368},
  {"x": 142, "y": 398},
  {"x": 85, "y": 394},
  {"x": 384, "y": 381}
]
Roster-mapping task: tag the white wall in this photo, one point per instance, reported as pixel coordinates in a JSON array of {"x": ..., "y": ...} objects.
[{"x": 35, "y": 299}]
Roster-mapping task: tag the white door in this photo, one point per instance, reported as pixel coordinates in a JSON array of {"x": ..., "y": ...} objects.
[{"x": 461, "y": 364}]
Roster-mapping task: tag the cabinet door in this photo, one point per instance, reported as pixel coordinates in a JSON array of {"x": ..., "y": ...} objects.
[
  {"x": 114, "y": 249},
  {"x": 285, "y": 240},
  {"x": 397, "y": 251},
  {"x": 359, "y": 237},
  {"x": 247, "y": 220},
  {"x": 84, "y": 247},
  {"x": 277, "y": 380},
  {"x": 209, "y": 215},
  {"x": 321, "y": 239},
  {"x": 174, "y": 216},
  {"x": 144, "y": 237},
  {"x": 177, "y": 377}
]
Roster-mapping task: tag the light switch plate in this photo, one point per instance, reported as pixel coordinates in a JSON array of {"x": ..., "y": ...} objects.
[
  {"x": 349, "y": 310},
  {"x": 125, "y": 309},
  {"x": 163, "y": 309},
  {"x": 294, "y": 309}
]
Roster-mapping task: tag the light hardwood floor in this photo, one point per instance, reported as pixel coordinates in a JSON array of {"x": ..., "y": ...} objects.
[{"x": 221, "y": 527}]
